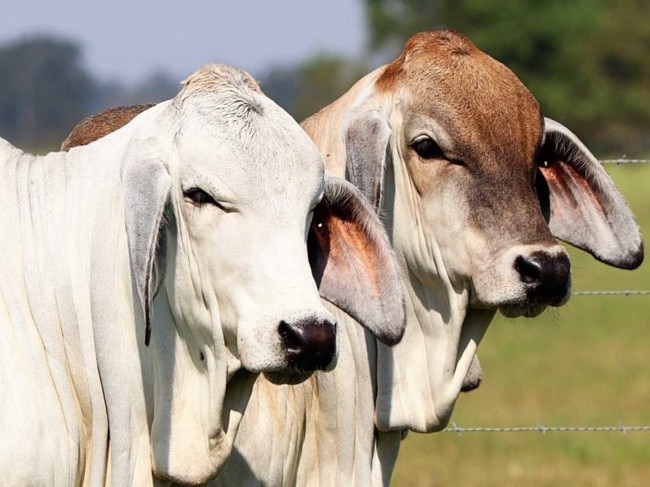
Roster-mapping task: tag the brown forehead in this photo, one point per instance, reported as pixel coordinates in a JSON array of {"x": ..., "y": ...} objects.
[{"x": 443, "y": 75}]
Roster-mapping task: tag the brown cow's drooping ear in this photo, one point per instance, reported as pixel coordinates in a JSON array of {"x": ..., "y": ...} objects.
[
  {"x": 586, "y": 208},
  {"x": 366, "y": 146},
  {"x": 146, "y": 191},
  {"x": 353, "y": 263}
]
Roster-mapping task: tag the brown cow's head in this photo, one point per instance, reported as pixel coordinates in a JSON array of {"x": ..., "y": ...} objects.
[{"x": 491, "y": 183}]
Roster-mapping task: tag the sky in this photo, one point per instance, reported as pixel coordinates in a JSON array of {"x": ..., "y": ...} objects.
[{"x": 128, "y": 40}]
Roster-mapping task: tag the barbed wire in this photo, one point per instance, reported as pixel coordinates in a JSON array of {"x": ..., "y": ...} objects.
[
  {"x": 625, "y": 161},
  {"x": 621, "y": 292},
  {"x": 454, "y": 428}
]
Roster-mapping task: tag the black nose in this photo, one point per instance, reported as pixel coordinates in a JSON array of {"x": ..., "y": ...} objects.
[
  {"x": 548, "y": 277},
  {"x": 309, "y": 345}
]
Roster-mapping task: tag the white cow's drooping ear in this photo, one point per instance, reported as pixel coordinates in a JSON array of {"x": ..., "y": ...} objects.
[
  {"x": 586, "y": 208},
  {"x": 353, "y": 263},
  {"x": 366, "y": 146},
  {"x": 146, "y": 191}
]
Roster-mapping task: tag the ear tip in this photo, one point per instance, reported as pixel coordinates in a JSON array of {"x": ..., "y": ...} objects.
[
  {"x": 391, "y": 329},
  {"x": 635, "y": 259},
  {"x": 391, "y": 338},
  {"x": 629, "y": 260}
]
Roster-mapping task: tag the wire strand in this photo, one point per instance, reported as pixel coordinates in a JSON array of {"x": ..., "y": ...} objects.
[
  {"x": 454, "y": 428},
  {"x": 625, "y": 161},
  {"x": 621, "y": 292}
]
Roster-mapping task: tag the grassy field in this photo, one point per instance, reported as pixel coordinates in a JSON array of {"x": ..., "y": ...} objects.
[{"x": 585, "y": 364}]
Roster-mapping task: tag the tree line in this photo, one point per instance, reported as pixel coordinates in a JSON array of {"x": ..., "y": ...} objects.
[
  {"x": 45, "y": 90},
  {"x": 585, "y": 61}
]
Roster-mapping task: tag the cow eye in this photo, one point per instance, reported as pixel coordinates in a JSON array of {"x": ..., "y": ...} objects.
[
  {"x": 198, "y": 197},
  {"x": 426, "y": 148}
]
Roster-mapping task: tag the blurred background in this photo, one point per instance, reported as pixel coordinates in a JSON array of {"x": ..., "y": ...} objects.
[{"x": 586, "y": 61}]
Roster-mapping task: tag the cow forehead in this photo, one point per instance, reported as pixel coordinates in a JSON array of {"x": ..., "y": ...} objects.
[
  {"x": 233, "y": 138},
  {"x": 474, "y": 97},
  {"x": 257, "y": 157}
]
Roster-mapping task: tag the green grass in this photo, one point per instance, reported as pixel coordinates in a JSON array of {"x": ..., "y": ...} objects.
[{"x": 585, "y": 364}]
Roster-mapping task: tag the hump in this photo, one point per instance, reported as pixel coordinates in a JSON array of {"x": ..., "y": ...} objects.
[{"x": 97, "y": 126}]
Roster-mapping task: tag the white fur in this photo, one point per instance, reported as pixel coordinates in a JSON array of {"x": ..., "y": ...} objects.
[{"x": 84, "y": 401}]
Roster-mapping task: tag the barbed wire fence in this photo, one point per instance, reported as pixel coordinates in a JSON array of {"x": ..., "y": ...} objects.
[
  {"x": 624, "y": 160},
  {"x": 454, "y": 428},
  {"x": 542, "y": 429}
]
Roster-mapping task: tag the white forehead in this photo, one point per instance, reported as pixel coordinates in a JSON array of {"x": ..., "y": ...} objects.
[{"x": 228, "y": 128}]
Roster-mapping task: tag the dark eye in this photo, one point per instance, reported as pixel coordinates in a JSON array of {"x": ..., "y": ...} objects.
[
  {"x": 199, "y": 197},
  {"x": 426, "y": 148}
]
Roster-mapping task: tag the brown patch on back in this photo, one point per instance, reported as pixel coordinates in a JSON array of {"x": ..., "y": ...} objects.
[{"x": 97, "y": 126}]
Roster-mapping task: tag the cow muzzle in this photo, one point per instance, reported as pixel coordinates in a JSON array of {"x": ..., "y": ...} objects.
[
  {"x": 308, "y": 344},
  {"x": 546, "y": 280},
  {"x": 292, "y": 342}
]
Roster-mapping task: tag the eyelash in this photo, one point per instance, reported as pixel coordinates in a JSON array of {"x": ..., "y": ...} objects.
[{"x": 199, "y": 197}]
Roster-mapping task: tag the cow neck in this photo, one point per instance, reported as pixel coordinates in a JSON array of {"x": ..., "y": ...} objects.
[
  {"x": 116, "y": 322},
  {"x": 420, "y": 378},
  {"x": 73, "y": 259}
]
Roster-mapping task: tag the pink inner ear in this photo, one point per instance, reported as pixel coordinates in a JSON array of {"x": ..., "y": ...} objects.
[
  {"x": 347, "y": 266},
  {"x": 569, "y": 189},
  {"x": 345, "y": 249},
  {"x": 350, "y": 248}
]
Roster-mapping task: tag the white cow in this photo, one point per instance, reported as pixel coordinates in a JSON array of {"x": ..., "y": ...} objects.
[
  {"x": 288, "y": 426},
  {"x": 474, "y": 186},
  {"x": 140, "y": 270}
]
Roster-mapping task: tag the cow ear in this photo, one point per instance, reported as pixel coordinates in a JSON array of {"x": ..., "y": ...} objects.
[
  {"x": 146, "y": 192},
  {"x": 366, "y": 145},
  {"x": 353, "y": 263},
  {"x": 583, "y": 205}
]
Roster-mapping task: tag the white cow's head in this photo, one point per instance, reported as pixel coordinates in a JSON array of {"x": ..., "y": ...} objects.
[
  {"x": 232, "y": 229},
  {"x": 231, "y": 198},
  {"x": 475, "y": 186}
]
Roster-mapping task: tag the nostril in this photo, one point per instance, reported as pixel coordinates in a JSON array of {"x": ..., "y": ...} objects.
[
  {"x": 529, "y": 269},
  {"x": 548, "y": 277},
  {"x": 291, "y": 336},
  {"x": 309, "y": 345}
]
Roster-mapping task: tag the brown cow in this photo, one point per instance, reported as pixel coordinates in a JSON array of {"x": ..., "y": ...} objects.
[{"x": 474, "y": 186}]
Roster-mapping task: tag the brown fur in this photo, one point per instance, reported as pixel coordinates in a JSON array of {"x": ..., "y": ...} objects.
[
  {"x": 475, "y": 95},
  {"x": 97, "y": 126}
]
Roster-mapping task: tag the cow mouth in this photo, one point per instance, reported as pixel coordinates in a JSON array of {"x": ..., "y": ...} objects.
[
  {"x": 530, "y": 307},
  {"x": 533, "y": 298},
  {"x": 515, "y": 307},
  {"x": 528, "y": 310},
  {"x": 287, "y": 378}
]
